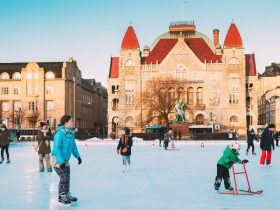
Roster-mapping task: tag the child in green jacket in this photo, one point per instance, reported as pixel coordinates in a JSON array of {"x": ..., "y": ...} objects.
[{"x": 230, "y": 156}]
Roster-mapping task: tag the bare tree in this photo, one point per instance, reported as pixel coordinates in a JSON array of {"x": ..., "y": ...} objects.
[
  {"x": 159, "y": 99},
  {"x": 16, "y": 117},
  {"x": 33, "y": 118}
]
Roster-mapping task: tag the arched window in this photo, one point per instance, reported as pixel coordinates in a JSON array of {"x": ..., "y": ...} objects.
[
  {"x": 5, "y": 75},
  {"x": 233, "y": 61},
  {"x": 50, "y": 75},
  {"x": 199, "y": 96},
  {"x": 181, "y": 72},
  {"x": 16, "y": 75},
  {"x": 190, "y": 96},
  {"x": 233, "y": 118},
  {"x": 181, "y": 92},
  {"x": 115, "y": 104},
  {"x": 129, "y": 122},
  {"x": 129, "y": 63},
  {"x": 171, "y": 93}
]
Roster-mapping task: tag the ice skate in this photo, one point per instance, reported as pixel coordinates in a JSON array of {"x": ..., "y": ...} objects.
[
  {"x": 246, "y": 152},
  {"x": 124, "y": 168},
  {"x": 72, "y": 198},
  {"x": 8, "y": 161},
  {"x": 2, "y": 160},
  {"x": 64, "y": 200},
  {"x": 253, "y": 153}
]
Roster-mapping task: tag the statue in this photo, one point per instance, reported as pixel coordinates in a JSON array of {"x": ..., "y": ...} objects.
[{"x": 180, "y": 111}]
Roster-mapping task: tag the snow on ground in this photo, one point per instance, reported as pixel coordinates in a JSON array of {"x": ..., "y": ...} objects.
[{"x": 159, "y": 180}]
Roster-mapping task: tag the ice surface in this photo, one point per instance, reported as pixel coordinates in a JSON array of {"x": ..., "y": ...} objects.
[{"x": 159, "y": 180}]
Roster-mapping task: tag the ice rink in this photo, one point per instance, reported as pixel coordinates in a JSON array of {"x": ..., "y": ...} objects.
[{"x": 159, "y": 180}]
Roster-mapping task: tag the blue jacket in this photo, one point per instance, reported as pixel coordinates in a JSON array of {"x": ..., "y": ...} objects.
[{"x": 64, "y": 145}]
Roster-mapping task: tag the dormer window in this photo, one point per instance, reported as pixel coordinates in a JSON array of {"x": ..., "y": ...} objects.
[
  {"x": 5, "y": 75},
  {"x": 16, "y": 75},
  {"x": 50, "y": 75}
]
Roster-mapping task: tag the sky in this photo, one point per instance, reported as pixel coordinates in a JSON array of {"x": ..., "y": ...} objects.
[{"x": 91, "y": 31}]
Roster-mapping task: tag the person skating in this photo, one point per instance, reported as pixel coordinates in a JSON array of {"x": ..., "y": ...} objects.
[
  {"x": 124, "y": 147},
  {"x": 4, "y": 143},
  {"x": 267, "y": 144},
  {"x": 229, "y": 157},
  {"x": 44, "y": 147},
  {"x": 251, "y": 136},
  {"x": 167, "y": 139},
  {"x": 277, "y": 138},
  {"x": 64, "y": 146}
]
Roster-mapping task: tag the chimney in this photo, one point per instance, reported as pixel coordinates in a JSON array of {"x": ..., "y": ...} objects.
[{"x": 216, "y": 37}]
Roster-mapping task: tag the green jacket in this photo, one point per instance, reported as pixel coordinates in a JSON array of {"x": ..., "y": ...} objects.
[{"x": 229, "y": 155}]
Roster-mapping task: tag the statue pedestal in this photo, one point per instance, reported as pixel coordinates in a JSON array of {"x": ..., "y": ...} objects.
[{"x": 183, "y": 127}]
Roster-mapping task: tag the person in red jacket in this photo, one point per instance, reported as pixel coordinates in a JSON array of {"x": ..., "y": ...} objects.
[
  {"x": 267, "y": 144},
  {"x": 124, "y": 147}
]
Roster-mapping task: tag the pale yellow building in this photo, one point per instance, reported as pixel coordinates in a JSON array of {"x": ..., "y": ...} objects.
[
  {"x": 44, "y": 91},
  {"x": 213, "y": 77}
]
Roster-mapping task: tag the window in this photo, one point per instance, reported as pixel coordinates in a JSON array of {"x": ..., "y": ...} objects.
[
  {"x": 199, "y": 96},
  {"x": 36, "y": 75},
  {"x": 129, "y": 63},
  {"x": 5, "y": 106},
  {"x": 115, "y": 89},
  {"x": 36, "y": 89},
  {"x": 5, "y": 75},
  {"x": 181, "y": 94},
  {"x": 190, "y": 96},
  {"x": 181, "y": 72},
  {"x": 16, "y": 90},
  {"x": 115, "y": 104},
  {"x": 234, "y": 91},
  {"x": 233, "y": 119},
  {"x": 29, "y": 75},
  {"x": 16, "y": 75},
  {"x": 50, "y": 105},
  {"x": 50, "y": 75},
  {"x": 17, "y": 105},
  {"x": 129, "y": 92},
  {"x": 4, "y": 90},
  {"x": 32, "y": 105}
]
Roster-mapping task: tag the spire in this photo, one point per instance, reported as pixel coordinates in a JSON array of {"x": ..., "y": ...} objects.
[
  {"x": 233, "y": 38},
  {"x": 130, "y": 40}
]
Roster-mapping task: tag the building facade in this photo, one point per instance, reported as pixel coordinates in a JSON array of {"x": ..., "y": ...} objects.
[
  {"x": 212, "y": 76},
  {"x": 33, "y": 92}
]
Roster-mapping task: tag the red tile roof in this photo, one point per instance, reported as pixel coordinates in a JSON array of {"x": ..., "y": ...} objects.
[
  {"x": 233, "y": 38},
  {"x": 161, "y": 50},
  {"x": 202, "y": 50},
  {"x": 197, "y": 45},
  {"x": 114, "y": 67},
  {"x": 250, "y": 65},
  {"x": 130, "y": 40}
]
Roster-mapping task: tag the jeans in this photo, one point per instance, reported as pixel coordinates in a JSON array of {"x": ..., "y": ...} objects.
[
  {"x": 41, "y": 161},
  {"x": 64, "y": 182},
  {"x": 6, "y": 148},
  {"x": 126, "y": 160}
]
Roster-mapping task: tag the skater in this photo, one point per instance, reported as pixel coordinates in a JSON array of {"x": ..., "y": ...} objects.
[
  {"x": 18, "y": 134},
  {"x": 167, "y": 138},
  {"x": 267, "y": 142},
  {"x": 230, "y": 156},
  {"x": 277, "y": 138},
  {"x": 180, "y": 135},
  {"x": 4, "y": 143},
  {"x": 251, "y": 136},
  {"x": 64, "y": 146},
  {"x": 161, "y": 133},
  {"x": 124, "y": 146},
  {"x": 175, "y": 135},
  {"x": 44, "y": 147}
]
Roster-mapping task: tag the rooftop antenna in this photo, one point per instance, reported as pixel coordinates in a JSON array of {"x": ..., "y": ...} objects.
[{"x": 182, "y": 8}]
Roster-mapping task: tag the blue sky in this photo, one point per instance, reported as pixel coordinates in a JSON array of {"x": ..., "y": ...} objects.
[{"x": 92, "y": 30}]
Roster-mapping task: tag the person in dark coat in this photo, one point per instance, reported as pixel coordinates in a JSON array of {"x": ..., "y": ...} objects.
[
  {"x": 277, "y": 138},
  {"x": 267, "y": 144},
  {"x": 167, "y": 139},
  {"x": 124, "y": 147},
  {"x": 4, "y": 143},
  {"x": 251, "y": 136},
  {"x": 44, "y": 147}
]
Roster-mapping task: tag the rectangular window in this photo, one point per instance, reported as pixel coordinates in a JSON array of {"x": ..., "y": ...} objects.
[
  {"x": 50, "y": 105},
  {"x": 17, "y": 105},
  {"x": 36, "y": 75},
  {"x": 16, "y": 90},
  {"x": 32, "y": 105},
  {"x": 234, "y": 91},
  {"x": 49, "y": 90},
  {"x": 129, "y": 92},
  {"x": 5, "y": 106},
  {"x": 29, "y": 90},
  {"x": 4, "y": 90}
]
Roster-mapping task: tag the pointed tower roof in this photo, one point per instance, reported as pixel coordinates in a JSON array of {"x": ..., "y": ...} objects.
[
  {"x": 130, "y": 40},
  {"x": 233, "y": 38}
]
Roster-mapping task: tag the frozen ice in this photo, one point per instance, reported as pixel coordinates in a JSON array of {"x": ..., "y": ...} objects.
[{"x": 158, "y": 180}]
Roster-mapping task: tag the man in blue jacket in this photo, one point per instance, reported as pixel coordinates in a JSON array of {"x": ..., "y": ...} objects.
[{"x": 64, "y": 146}]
